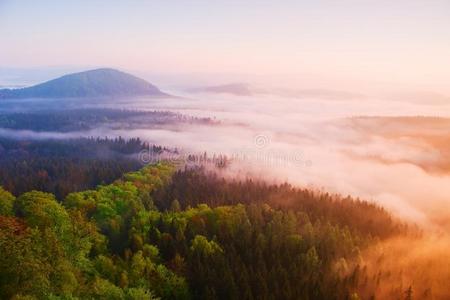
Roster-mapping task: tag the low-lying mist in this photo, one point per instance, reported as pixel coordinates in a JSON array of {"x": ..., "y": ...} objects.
[
  {"x": 395, "y": 153},
  {"x": 352, "y": 146},
  {"x": 418, "y": 267}
]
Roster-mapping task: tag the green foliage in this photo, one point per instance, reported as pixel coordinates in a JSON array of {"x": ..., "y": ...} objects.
[
  {"x": 201, "y": 246},
  {"x": 6, "y": 203},
  {"x": 104, "y": 289},
  {"x": 40, "y": 210},
  {"x": 25, "y": 266},
  {"x": 114, "y": 243},
  {"x": 139, "y": 294}
]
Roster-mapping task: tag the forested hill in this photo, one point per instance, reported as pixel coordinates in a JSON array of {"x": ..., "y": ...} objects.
[
  {"x": 147, "y": 236},
  {"x": 93, "y": 83}
]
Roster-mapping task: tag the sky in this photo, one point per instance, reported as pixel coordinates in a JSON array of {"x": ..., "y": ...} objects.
[{"x": 342, "y": 43}]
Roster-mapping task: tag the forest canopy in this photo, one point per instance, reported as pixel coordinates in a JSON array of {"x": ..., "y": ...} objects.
[{"x": 169, "y": 233}]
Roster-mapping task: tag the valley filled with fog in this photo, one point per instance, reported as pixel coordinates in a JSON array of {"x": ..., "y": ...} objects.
[
  {"x": 225, "y": 150},
  {"x": 394, "y": 152}
]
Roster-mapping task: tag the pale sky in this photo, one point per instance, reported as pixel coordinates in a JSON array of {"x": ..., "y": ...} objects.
[{"x": 395, "y": 41}]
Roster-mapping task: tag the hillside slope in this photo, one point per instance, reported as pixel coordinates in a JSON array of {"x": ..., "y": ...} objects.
[{"x": 93, "y": 83}]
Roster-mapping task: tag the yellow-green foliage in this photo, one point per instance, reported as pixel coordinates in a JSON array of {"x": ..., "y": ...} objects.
[
  {"x": 6, "y": 203},
  {"x": 114, "y": 243}
]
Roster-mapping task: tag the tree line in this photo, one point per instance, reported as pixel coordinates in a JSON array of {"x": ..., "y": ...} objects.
[
  {"x": 186, "y": 234},
  {"x": 64, "y": 166}
]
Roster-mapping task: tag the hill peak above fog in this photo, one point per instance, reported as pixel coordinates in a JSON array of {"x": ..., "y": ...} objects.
[{"x": 104, "y": 82}]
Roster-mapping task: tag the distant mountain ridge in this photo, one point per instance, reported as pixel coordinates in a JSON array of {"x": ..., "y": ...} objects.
[{"x": 103, "y": 82}]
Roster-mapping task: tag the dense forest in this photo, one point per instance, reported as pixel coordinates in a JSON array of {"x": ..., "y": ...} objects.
[
  {"x": 64, "y": 166},
  {"x": 90, "y": 118},
  {"x": 169, "y": 233}
]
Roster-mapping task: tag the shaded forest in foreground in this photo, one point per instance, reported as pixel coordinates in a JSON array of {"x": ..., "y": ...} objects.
[{"x": 188, "y": 234}]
